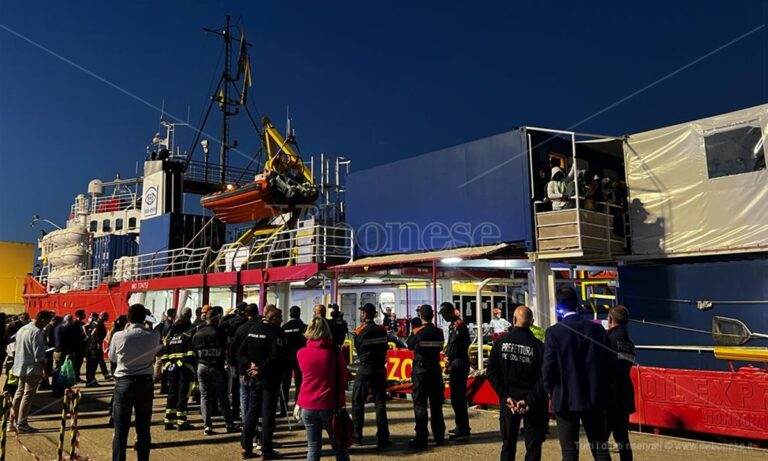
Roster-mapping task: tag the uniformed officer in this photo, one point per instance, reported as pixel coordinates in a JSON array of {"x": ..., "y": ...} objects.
[
  {"x": 294, "y": 340},
  {"x": 618, "y": 413},
  {"x": 178, "y": 360},
  {"x": 339, "y": 328},
  {"x": 514, "y": 370},
  {"x": 457, "y": 367},
  {"x": 371, "y": 346},
  {"x": 264, "y": 349},
  {"x": 426, "y": 342}
]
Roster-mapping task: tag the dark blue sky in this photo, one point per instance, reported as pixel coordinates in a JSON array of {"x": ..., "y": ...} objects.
[{"x": 373, "y": 81}]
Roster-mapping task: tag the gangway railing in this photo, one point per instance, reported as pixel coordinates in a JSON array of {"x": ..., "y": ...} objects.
[
  {"x": 211, "y": 174},
  {"x": 87, "y": 280},
  {"x": 317, "y": 244},
  {"x": 166, "y": 263}
]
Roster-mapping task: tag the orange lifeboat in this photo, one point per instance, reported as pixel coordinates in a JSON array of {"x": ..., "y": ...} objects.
[{"x": 250, "y": 202}]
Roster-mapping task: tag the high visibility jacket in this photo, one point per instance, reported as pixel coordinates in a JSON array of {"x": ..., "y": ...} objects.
[{"x": 177, "y": 350}]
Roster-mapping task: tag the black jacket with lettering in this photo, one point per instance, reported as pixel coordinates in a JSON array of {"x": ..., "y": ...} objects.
[
  {"x": 237, "y": 340},
  {"x": 210, "y": 346},
  {"x": 458, "y": 342},
  {"x": 371, "y": 347},
  {"x": 426, "y": 342},
  {"x": 294, "y": 338},
  {"x": 514, "y": 368},
  {"x": 339, "y": 330},
  {"x": 177, "y": 348},
  {"x": 265, "y": 346},
  {"x": 625, "y": 353}
]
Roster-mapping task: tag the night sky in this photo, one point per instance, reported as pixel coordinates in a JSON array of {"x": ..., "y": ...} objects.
[{"x": 373, "y": 81}]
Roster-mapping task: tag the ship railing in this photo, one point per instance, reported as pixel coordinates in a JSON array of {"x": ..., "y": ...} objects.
[
  {"x": 210, "y": 173},
  {"x": 309, "y": 244},
  {"x": 107, "y": 203},
  {"x": 87, "y": 280},
  {"x": 166, "y": 263}
]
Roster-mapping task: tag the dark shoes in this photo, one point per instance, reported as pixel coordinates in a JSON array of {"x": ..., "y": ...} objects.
[
  {"x": 417, "y": 444},
  {"x": 26, "y": 429},
  {"x": 231, "y": 429},
  {"x": 269, "y": 454},
  {"x": 186, "y": 426},
  {"x": 459, "y": 436},
  {"x": 170, "y": 426},
  {"x": 247, "y": 455},
  {"x": 209, "y": 431},
  {"x": 381, "y": 444}
]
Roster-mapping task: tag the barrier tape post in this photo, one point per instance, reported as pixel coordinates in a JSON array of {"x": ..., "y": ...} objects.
[
  {"x": 6, "y": 415},
  {"x": 63, "y": 425},
  {"x": 75, "y": 437}
]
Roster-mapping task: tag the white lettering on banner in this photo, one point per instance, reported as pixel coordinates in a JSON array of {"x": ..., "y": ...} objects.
[
  {"x": 517, "y": 352},
  {"x": 139, "y": 285}
]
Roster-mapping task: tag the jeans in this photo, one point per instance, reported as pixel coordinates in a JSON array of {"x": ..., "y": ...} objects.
[
  {"x": 315, "y": 421},
  {"x": 535, "y": 423},
  {"x": 234, "y": 391},
  {"x": 618, "y": 423},
  {"x": 595, "y": 428},
  {"x": 245, "y": 397},
  {"x": 24, "y": 394},
  {"x": 213, "y": 385},
  {"x": 133, "y": 393}
]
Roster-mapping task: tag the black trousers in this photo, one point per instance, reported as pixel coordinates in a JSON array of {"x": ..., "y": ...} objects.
[
  {"x": 262, "y": 402},
  {"x": 77, "y": 361},
  {"x": 93, "y": 358},
  {"x": 618, "y": 424},
  {"x": 179, "y": 384},
  {"x": 373, "y": 382},
  {"x": 291, "y": 372},
  {"x": 595, "y": 426},
  {"x": 428, "y": 389},
  {"x": 133, "y": 394},
  {"x": 458, "y": 391},
  {"x": 534, "y": 429}
]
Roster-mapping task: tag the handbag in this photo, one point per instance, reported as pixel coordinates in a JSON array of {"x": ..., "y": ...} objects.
[{"x": 342, "y": 431}]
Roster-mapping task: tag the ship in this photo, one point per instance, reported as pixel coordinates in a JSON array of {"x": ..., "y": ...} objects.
[{"x": 672, "y": 223}]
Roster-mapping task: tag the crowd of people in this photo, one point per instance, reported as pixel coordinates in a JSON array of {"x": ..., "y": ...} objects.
[{"x": 243, "y": 364}]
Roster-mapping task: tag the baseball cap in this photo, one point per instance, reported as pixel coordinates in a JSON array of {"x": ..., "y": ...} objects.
[{"x": 369, "y": 309}]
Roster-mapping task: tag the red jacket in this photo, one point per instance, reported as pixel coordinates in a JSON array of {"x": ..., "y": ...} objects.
[{"x": 316, "y": 363}]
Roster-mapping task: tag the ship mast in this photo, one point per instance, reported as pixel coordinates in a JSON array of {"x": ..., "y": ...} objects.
[{"x": 223, "y": 98}]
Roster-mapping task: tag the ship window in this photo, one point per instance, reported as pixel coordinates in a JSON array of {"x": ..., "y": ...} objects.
[
  {"x": 106, "y": 226},
  {"x": 734, "y": 151},
  {"x": 118, "y": 224},
  {"x": 131, "y": 223},
  {"x": 94, "y": 226}
]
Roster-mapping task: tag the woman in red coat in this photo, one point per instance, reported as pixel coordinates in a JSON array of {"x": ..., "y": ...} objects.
[{"x": 322, "y": 389}]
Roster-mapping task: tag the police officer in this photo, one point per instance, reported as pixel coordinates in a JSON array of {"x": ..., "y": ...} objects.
[
  {"x": 514, "y": 370},
  {"x": 264, "y": 350},
  {"x": 457, "y": 367},
  {"x": 179, "y": 362},
  {"x": 426, "y": 342},
  {"x": 294, "y": 340},
  {"x": 371, "y": 346},
  {"x": 624, "y": 405},
  {"x": 339, "y": 328}
]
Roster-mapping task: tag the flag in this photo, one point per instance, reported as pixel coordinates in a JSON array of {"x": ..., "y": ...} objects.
[{"x": 244, "y": 69}]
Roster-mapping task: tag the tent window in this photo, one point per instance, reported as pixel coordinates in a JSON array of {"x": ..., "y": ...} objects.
[{"x": 735, "y": 151}]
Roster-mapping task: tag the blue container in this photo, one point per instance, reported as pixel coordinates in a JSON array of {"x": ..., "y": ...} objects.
[
  {"x": 667, "y": 294},
  {"x": 477, "y": 193},
  {"x": 108, "y": 248}
]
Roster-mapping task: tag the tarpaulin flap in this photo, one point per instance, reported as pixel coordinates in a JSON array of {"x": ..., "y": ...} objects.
[{"x": 701, "y": 186}]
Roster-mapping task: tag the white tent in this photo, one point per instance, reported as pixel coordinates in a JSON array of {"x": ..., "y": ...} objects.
[{"x": 700, "y": 187}]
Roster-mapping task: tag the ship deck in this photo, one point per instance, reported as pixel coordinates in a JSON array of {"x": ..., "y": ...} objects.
[{"x": 96, "y": 437}]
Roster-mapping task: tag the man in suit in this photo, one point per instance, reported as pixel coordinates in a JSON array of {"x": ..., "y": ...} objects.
[{"x": 578, "y": 371}]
